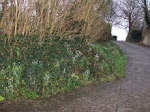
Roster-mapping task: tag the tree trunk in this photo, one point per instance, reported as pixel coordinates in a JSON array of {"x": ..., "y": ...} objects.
[
  {"x": 146, "y": 29},
  {"x": 130, "y": 28},
  {"x": 146, "y": 13}
]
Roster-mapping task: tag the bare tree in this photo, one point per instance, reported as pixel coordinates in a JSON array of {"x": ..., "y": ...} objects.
[
  {"x": 144, "y": 5},
  {"x": 146, "y": 27},
  {"x": 146, "y": 13},
  {"x": 132, "y": 13},
  {"x": 110, "y": 14}
]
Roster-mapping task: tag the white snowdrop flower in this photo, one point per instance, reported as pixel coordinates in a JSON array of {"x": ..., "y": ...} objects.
[
  {"x": 79, "y": 52},
  {"x": 90, "y": 49},
  {"x": 87, "y": 71},
  {"x": 97, "y": 56},
  {"x": 64, "y": 70}
]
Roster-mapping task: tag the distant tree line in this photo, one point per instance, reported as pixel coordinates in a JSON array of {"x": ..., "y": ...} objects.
[{"x": 136, "y": 14}]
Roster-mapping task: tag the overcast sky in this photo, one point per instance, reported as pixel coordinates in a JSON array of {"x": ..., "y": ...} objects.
[
  {"x": 119, "y": 30},
  {"x": 120, "y": 33}
]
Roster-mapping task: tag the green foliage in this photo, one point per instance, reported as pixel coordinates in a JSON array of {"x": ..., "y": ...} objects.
[
  {"x": 40, "y": 70},
  {"x": 136, "y": 36},
  {"x": 113, "y": 61},
  {"x": 2, "y": 98}
]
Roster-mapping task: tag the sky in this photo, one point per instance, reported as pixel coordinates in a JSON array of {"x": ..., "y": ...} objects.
[
  {"x": 119, "y": 30},
  {"x": 120, "y": 33}
]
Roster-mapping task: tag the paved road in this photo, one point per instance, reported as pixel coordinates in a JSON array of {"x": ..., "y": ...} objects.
[
  {"x": 132, "y": 94},
  {"x": 135, "y": 88}
]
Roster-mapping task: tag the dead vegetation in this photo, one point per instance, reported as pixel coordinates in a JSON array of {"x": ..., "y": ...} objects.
[{"x": 64, "y": 18}]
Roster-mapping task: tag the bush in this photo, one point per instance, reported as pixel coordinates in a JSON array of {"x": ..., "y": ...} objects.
[
  {"x": 136, "y": 36},
  {"x": 40, "y": 70},
  {"x": 75, "y": 17},
  {"x": 106, "y": 33}
]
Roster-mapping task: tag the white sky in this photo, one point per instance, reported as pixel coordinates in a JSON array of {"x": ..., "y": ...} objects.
[{"x": 120, "y": 33}]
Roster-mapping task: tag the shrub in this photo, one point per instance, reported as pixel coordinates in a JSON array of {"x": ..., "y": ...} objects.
[
  {"x": 40, "y": 70},
  {"x": 106, "y": 33},
  {"x": 64, "y": 18},
  {"x": 136, "y": 36}
]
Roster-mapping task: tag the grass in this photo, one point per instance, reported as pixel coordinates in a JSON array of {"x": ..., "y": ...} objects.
[{"x": 113, "y": 61}]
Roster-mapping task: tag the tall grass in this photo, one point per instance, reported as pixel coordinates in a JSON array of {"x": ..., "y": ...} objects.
[{"x": 65, "y": 18}]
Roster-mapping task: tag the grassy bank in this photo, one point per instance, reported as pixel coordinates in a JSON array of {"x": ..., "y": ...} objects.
[
  {"x": 43, "y": 70},
  {"x": 48, "y": 48},
  {"x": 113, "y": 61}
]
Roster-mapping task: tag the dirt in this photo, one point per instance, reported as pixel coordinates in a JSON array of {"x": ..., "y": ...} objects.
[{"x": 131, "y": 94}]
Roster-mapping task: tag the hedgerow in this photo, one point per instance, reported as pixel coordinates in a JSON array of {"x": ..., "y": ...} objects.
[{"x": 40, "y": 70}]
